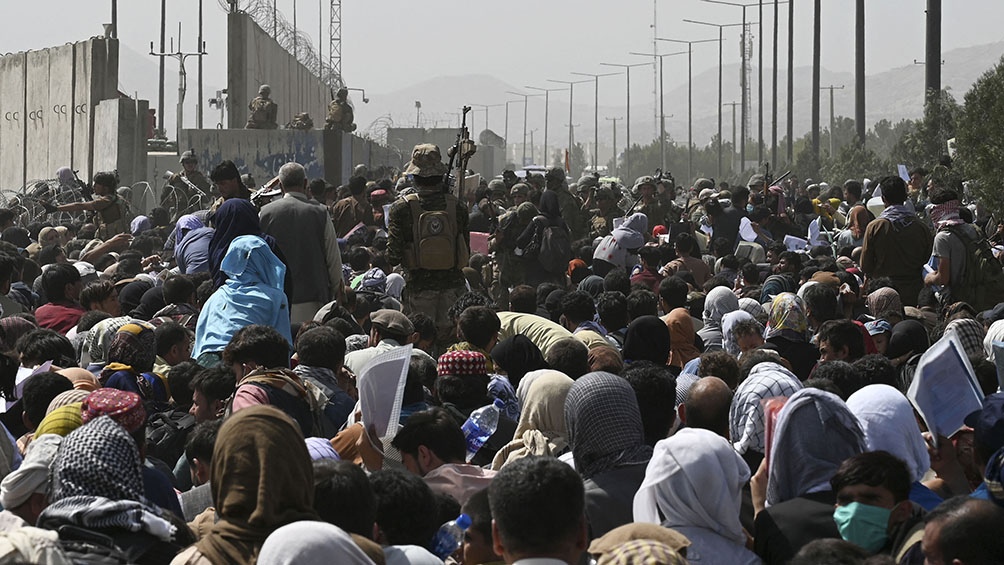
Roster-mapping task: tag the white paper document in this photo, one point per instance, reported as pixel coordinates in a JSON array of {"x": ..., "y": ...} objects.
[
  {"x": 381, "y": 389},
  {"x": 944, "y": 389}
]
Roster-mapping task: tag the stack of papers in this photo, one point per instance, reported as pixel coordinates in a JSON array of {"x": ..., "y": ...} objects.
[{"x": 944, "y": 389}]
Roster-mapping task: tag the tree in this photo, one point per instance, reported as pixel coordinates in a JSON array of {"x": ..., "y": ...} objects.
[
  {"x": 853, "y": 162},
  {"x": 578, "y": 160},
  {"x": 979, "y": 140},
  {"x": 925, "y": 145}
]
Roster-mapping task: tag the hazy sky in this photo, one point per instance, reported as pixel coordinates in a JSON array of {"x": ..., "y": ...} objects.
[{"x": 388, "y": 44}]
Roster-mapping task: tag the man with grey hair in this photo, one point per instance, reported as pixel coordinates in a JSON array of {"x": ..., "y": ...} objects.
[
  {"x": 307, "y": 238},
  {"x": 263, "y": 111}
]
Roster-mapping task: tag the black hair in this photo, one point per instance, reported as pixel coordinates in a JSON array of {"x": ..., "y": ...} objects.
[
  {"x": 421, "y": 374},
  {"x": 38, "y": 392},
  {"x": 821, "y": 301},
  {"x": 202, "y": 441},
  {"x": 178, "y": 289},
  {"x": 722, "y": 365},
  {"x": 260, "y": 344},
  {"x": 95, "y": 292},
  {"x": 479, "y": 510},
  {"x": 893, "y": 189},
  {"x": 55, "y": 279},
  {"x": 642, "y": 302},
  {"x": 91, "y": 319},
  {"x": 970, "y": 530},
  {"x": 479, "y": 324},
  {"x": 41, "y": 345},
  {"x": 216, "y": 383},
  {"x": 403, "y": 504},
  {"x": 854, "y": 188},
  {"x": 650, "y": 255},
  {"x": 655, "y": 388},
  {"x": 543, "y": 290},
  {"x": 754, "y": 358},
  {"x": 612, "y": 309},
  {"x": 170, "y": 334},
  {"x": 843, "y": 375},
  {"x": 537, "y": 503},
  {"x": 840, "y": 334},
  {"x": 464, "y": 392},
  {"x": 321, "y": 346},
  {"x": 106, "y": 178},
  {"x": 877, "y": 369},
  {"x": 617, "y": 279},
  {"x": 344, "y": 497},
  {"x": 829, "y": 551},
  {"x": 467, "y": 300},
  {"x": 424, "y": 325},
  {"x": 8, "y": 266},
  {"x": 570, "y": 356},
  {"x": 523, "y": 299},
  {"x": 747, "y": 327},
  {"x": 577, "y": 307},
  {"x": 359, "y": 258},
  {"x": 6, "y": 215},
  {"x": 673, "y": 291},
  {"x": 793, "y": 258},
  {"x": 179, "y": 380},
  {"x": 875, "y": 469},
  {"x": 436, "y": 429}
]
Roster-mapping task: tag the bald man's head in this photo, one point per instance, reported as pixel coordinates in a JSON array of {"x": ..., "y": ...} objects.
[{"x": 707, "y": 406}]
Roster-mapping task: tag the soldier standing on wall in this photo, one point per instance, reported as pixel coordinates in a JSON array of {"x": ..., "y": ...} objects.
[
  {"x": 428, "y": 235},
  {"x": 263, "y": 110},
  {"x": 108, "y": 207},
  {"x": 340, "y": 114}
]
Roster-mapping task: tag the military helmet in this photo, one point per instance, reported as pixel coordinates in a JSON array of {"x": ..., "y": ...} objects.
[
  {"x": 555, "y": 173},
  {"x": 265, "y": 89},
  {"x": 587, "y": 181},
  {"x": 188, "y": 157}
]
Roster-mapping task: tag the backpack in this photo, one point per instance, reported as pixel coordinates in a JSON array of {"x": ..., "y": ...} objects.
[
  {"x": 438, "y": 244},
  {"x": 983, "y": 278},
  {"x": 166, "y": 434},
  {"x": 555, "y": 249}
]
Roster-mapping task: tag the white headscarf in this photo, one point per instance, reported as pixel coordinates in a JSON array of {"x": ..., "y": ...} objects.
[
  {"x": 694, "y": 479},
  {"x": 729, "y": 321},
  {"x": 719, "y": 302},
  {"x": 887, "y": 420},
  {"x": 746, "y": 419},
  {"x": 395, "y": 285},
  {"x": 308, "y": 543},
  {"x": 994, "y": 333}
]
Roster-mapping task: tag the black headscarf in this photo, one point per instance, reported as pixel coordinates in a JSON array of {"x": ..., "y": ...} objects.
[
  {"x": 517, "y": 356},
  {"x": 17, "y": 236},
  {"x": 550, "y": 208},
  {"x": 151, "y": 303},
  {"x": 647, "y": 339},
  {"x": 234, "y": 218},
  {"x": 132, "y": 293},
  {"x": 907, "y": 336}
]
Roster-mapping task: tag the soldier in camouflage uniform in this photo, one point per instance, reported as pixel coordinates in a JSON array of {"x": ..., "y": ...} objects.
[
  {"x": 511, "y": 267},
  {"x": 108, "y": 207},
  {"x": 649, "y": 203},
  {"x": 571, "y": 208},
  {"x": 301, "y": 121},
  {"x": 179, "y": 198},
  {"x": 430, "y": 291},
  {"x": 340, "y": 114},
  {"x": 602, "y": 222},
  {"x": 263, "y": 110}
]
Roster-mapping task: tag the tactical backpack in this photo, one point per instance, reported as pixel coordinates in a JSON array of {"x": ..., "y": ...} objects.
[
  {"x": 983, "y": 278},
  {"x": 438, "y": 244},
  {"x": 555, "y": 249}
]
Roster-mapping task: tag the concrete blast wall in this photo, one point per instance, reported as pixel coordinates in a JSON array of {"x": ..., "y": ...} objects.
[
  {"x": 47, "y": 103},
  {"x": 254, "y": 58},
  {"x": 403, "y": 140}
]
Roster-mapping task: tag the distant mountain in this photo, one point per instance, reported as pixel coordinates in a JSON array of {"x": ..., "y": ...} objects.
[{"x": 894, "y": 94}]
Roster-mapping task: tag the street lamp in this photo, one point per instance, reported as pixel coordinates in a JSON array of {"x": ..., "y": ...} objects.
[
  {"x": 363, "y": 90},
  {"x": 721, "y": 44},
  {"x": 571, "y": 127},
  {"x": 547, "y": 104},
  {"x": 615, "y": 120},
  {"x": 485, "y": 108},
  {"x": 505, "y": 136},
  {"x": 662, "y": 104},
  {"x": 596, "y": 115},
  {"x": 627, "y": 152},
  {"x": 525, "y": 98},
  {"x": 690, "y": 99}
]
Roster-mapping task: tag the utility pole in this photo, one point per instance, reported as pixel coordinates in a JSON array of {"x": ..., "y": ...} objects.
[
  {"x": 831, "y": 88},
  {"x": 932, "y": 75},
  {"x": 859, "y": 70},
  {"x": 791, "y": 83},
  {"x": 721, "y": 45},
  {"x": 662, "y": 103},
  {"x": 526, "y": 97},
  {"x": 485, "y": 108},
  {"x": 198, "y": 107},
  {"x": 732, "y": 159},
  {"x": 596, "y": 114},
  {"x": 571, "y": 132},
  {"x": 627, "y": 151},
  {"x": 115, "y": 18},
  {"x": 616, "y": 166},
  {"x": 690, "y": 99},
  {"x": 773, "y": 98},
  {"x": 160, "y": 88},
  {"x": 182, "y": 75},
  {"x": 547, "y": 105},
  {"x": 816, "y": 27}
]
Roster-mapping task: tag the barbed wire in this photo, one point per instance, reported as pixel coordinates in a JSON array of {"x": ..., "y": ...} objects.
[{"x": 261, "y": 11}]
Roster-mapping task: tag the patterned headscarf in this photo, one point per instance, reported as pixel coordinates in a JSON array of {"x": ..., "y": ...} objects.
[
  {"x": 134, "y": 345},
  {"x": 604, "y": 424},
  {"x": 72, "y": 396},
  {"x": 787, "y": 318},
  {"x": 99, "y": 459},
  {"x": 100, "y": 337},
  {"x": 746, "y": 415},
  {"x": 60, "y": 421},
  {"x": 642, "y": 551},
  {"x": 883, "y": 300},
  {"x": 754, "y": 308},
  {"x": 13, "y": 328},
  {"x": 730, "y": 343},
  {"x": 462, "y": 363},
  {"x": 970, "y": 334},
  {"x": 125, "y": 408}
]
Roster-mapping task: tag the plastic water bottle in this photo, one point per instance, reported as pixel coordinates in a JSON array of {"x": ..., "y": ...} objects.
[
  {"x": 480, "y": 426},
  {"x": 450, "y": 536}
]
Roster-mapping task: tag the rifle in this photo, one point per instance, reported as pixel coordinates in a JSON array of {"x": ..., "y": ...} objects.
[
  {"x": 466, "y": 148},
  {"x": 85, "y": 188}
]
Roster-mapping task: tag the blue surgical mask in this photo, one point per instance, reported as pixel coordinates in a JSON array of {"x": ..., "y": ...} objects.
[
  {"x": 863, "y": 525},
  {"x": 749, "y": 208}
]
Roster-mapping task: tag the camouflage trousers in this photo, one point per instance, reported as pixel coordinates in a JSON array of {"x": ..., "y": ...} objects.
[{"x": 436, "y": 304}]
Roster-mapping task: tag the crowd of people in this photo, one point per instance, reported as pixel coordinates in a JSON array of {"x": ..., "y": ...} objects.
[{"x": 715, "y": 374}]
